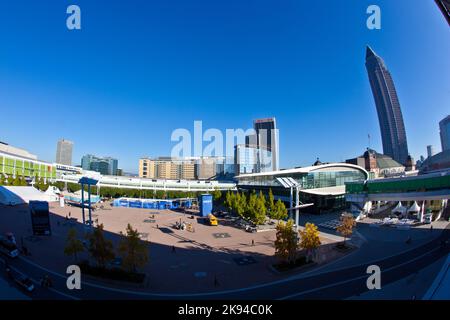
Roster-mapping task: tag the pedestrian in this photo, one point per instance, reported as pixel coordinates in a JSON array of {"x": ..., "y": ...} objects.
[
  {"x": 69, "y": 214},
  {"x": 157, "y": 226},
  {"x": 431, "y": 228},
  {"x": 253, "y": 242}
]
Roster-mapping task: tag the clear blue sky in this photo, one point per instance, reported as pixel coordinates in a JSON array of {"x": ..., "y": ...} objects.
[{"x": 139, "y": 69}]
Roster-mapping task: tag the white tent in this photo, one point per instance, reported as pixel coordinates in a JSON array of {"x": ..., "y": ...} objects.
[
  {"x": 53, "y": 193},
  {"x": 11, "y": 195},
  {"x": 414, "y": 208},
  {"x": 399, "y": 209}
]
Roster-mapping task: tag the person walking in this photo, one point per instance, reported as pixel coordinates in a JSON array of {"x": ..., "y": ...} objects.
[{"x": 253, "y": 242}]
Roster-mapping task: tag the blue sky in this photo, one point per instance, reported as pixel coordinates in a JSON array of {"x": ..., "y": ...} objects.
[{"x": 140, "y": 69}]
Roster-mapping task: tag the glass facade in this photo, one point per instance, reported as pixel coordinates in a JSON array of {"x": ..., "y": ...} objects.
[
  {"x": 250, "y": 159},
  {"x": 311, "y": 180},
  {"x": 315, "y": 178}
]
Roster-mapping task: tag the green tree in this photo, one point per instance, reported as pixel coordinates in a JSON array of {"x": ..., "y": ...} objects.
[
  {"x": 17, "y": 181},
  {"x": 286, "y": 245},
  {"x": 133, "y": 250},
  {"x": 100, "y": 248},
  {"x": 279, "y": 212},
  {"x": 259, "y": 210},
  {"x": 346, "y": 226},
  {"x": 10, "y": 180},
  {"x": 217, "y": 195},
  {"x": 310, "y": 239},
  {"x": 73, "y": 244},
  {"x": 271, "y": 203},
  {"x": 2, "y": 180},
  {"x": 229, "y": 200}
]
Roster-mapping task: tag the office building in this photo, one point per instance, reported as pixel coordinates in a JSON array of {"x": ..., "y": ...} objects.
[
  {"x": 266, "y": 138},
  {"x": 393, "y": 134},
  {"x": 104, "y": 165},
  {"x": 430, "y": 151},
  {"x": 444, "y": 131},
  {"x": 167, "y": 168},
  {"x": 252, "y": 159},
  {"x": 64, "y": 152}
]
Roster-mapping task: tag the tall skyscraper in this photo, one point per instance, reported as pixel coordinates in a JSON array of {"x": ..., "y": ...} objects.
[
  {"x": 64, "y": 152},
  {"x": 444, "y": 6},
  {"x": 430, "y": 151},
  {"x": 444, "y": 131},
  {"x": 393, "y": 134},
  {"x": 267, "y": 138}
]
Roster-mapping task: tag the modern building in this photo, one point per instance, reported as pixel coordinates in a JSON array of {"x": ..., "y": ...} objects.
[
  {"x": 444, "y": 6},
  {"x": 323, "y": 184},
  {"x": 6, "y": 148},
  {"x": 252, "y": 159},
  {"x": 378, "y": 165},
  {"x": 430, "y": 151},
  {"x": 19, "y": 162},
  {"x": 104, "y": 165},
  {"x": 167, "y": 168},
  {"x": 393, "y": 134},
  {"x": 444, "y": 131},
  {"x": 206, "y": 168},
  {"x": 266, "y": 139},
  {"x": 64, "y": 150}
]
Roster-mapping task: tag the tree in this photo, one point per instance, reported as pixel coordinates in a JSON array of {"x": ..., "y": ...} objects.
[
  {"x": 73, "y": 244},
  {"x": 133, "y": 250},
  {"x": 286, "y": 241},
  {"x": 217, "y": 194},
  {"x": 271, "y": 203},
  {"x": 2, "y": 180},
  {"x": 279, "y": 212},
  {"x": 16, "y": 181},
  {"x": 100, "y": 248},
  {"x": 259, "y": 210},
  {"x": 346, "y": 226},
  {"x": 229, "y": 200},
  {"x": 310, "y": 239}
]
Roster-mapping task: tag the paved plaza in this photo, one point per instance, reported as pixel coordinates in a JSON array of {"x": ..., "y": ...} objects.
[{"x": 234, "y": 257}]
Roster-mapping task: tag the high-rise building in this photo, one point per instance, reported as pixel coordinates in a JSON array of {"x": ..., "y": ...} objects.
[
  {"x": 252, "y": 159},
  {"x": 444, "y": 6},
  {"x": 64, "y": 152},
  {"x": 104, "y": 165},
  {"x": 266, "y": 139},
  {"x": 444, "y": 131},
  {"x": 393, "y": 134},
  {"x": 430, "y": 151}
]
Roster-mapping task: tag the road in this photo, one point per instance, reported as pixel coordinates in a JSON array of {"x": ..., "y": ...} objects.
[{"x": 338, "y": 284}]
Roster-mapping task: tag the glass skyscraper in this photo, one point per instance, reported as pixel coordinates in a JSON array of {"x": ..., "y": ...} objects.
[
  {"x": 444, "y": 131},
  {"x": 393, "y": 134}
]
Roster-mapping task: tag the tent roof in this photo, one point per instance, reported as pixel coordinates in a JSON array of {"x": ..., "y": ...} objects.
[{"x": 414, "y": 208}]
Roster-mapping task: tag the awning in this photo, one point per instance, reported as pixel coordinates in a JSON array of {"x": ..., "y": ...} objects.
[{"x": 329, "y": 191}]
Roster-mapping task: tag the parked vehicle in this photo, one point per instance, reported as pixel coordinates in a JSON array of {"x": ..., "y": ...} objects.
[
  {"x": 8, "y": 248},
  {"x": 21, "y": 280},
  {"x": 212, "y": 220}
]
